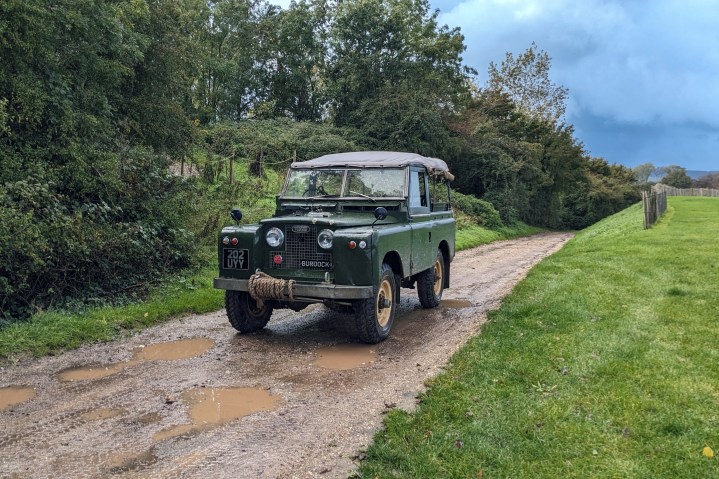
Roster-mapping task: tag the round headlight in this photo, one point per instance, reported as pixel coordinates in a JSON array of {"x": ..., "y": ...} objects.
[
  {"x": 324, "y": 239},
  {"x": 275, "y": 237}
]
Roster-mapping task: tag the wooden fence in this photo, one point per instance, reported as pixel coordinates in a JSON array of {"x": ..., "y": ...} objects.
[
  {"x": 671, "y": 191},
  {"x": 655, "y": 204}
]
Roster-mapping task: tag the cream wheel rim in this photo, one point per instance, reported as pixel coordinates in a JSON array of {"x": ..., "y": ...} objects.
[
  {"x": 383, "y": 305},
  {"x": 438, "y": 273}
]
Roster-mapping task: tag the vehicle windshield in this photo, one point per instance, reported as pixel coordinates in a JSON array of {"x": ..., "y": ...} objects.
[{"x": 359, "y": 183}]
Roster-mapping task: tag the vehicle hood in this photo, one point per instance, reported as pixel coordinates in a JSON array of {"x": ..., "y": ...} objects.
[{"x": 330, "y": 219}]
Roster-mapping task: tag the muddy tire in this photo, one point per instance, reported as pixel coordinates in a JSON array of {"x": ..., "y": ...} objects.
[
  {"x": 374, "y": 316},
  {"x": 430, "y": 283},
  {"x": 243, "y": 312}
]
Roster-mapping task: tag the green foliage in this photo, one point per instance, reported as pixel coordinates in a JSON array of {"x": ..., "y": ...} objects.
[
  {"x": 533, "y": 170},
  {"x": 609, "y": 189},
  {"x": 526, "y": 80},
  {"x": 601, "y": 363},
  {"x": 482, "y": 212},
  {"x": 677, "y": 177},
  {"x": 53, "y": 249},
  {"x": 395, "y": 73}
]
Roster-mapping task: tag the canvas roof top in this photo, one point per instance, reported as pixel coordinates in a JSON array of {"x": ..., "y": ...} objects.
[{"x": 377, "y": 159}]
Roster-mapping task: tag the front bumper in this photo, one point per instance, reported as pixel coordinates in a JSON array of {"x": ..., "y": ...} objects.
[{"x": 305, "y": 291}]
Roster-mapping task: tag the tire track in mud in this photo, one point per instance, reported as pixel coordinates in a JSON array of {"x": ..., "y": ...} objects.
[{"x": 312, "y": 413}]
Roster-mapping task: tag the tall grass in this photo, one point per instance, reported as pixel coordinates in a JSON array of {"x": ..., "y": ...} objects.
[{"x": 602, "y": 363}]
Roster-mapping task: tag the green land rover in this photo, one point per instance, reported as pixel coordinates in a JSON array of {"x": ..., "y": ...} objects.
[{"x": 349, "y": 229}]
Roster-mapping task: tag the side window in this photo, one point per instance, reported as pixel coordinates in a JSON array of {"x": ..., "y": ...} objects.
[
  {"x": 439, "y": 194},
  {"x": 418, "y": 192}
]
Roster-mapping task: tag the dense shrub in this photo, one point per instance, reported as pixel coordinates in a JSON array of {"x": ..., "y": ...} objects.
[
  {"x": 54, "y": 248},
  {"x": 483, "y": 212}
]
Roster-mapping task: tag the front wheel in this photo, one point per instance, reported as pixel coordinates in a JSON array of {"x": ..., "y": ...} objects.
[
  {"x": 244, "y": 313},
  {"x": 374, "y": 316},
  {"x": 430, "y": 283}
]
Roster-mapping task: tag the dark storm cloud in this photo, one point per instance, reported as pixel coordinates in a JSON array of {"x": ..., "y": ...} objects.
[{"x": 643, "y": 75}]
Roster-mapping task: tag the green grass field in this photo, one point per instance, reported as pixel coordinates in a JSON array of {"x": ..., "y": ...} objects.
[
  {"x": 55, "y": 331},
  {"x": 603, "y": 362}
]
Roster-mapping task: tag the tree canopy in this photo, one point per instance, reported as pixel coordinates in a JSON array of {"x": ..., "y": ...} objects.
[{"x": 677, "y": 177}]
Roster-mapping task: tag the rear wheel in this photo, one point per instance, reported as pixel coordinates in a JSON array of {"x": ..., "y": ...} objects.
[
  {"x": 244, "y": 313},
  {"x": 374, "y": 316},
  {"x": 430, "y": 283}
]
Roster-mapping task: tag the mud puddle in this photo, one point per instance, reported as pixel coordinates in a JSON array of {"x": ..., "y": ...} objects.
[
  {"x": 345, "y": 356},
  {"x": 86, "y": 373},
  {"x": 455, "y": 303},
  {"x": 211, "y": 407},
  {"x": 170, "y": 351},
  {"x": 14, "y": 395}
]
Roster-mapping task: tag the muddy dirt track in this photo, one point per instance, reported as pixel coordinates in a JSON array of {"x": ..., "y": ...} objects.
[{"x": 190, "y": 398}]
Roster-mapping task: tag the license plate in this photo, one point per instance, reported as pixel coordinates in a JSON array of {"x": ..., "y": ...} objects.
[{"x": 235, "y": 258}]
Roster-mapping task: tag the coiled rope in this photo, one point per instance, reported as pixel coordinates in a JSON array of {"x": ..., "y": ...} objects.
[{"x": 263, "y": 286}]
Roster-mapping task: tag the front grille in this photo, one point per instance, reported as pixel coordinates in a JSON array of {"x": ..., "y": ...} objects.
[{"x": 301, "y": 252}]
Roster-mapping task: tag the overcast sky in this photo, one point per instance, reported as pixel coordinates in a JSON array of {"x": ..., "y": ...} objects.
[{"x": 643, "y": 75}]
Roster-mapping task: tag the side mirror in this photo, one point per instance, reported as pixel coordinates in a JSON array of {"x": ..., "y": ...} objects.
[
  {"x": 380, "y": 213},
  {"x": 236, "y": 215}
]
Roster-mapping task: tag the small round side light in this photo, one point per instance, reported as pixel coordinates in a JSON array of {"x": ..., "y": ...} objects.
[
  {"x": 226, "y": 240},
  {"x": 362, "y": 244},
  {"x": 352, "y": 245},
  {"x": 234, "y": 241}
]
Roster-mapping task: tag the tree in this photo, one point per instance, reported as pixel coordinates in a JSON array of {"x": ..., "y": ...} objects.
[
  {"x": 526, "y": 80},
  {"x": 159, "y": 95},
  {"x": 85, "y": 206},
  {"x": 677, "y": 177},
  {"x": 383, "y": 49},
  {"x": 294, "y": 77},
  {"x": 643, "y": 172},
  {"x": 707, "y": 181}
]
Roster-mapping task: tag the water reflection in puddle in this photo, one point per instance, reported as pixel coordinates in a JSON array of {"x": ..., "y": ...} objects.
[
  {"x": 173, "y": 350},
  {"x": 210, "y": 407},
  {"x": 345, "y": 356},
  {"x": 13, "y": 395}
]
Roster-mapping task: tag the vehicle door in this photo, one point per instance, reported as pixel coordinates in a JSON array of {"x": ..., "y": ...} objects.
[{"x": 423, "y": 250}]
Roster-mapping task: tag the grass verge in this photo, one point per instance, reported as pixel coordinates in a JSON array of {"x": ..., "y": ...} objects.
[
  {"x": 471, "y": 236},
  {"x": 53, "y": 331},
  {"x": 601, "y": 363}
]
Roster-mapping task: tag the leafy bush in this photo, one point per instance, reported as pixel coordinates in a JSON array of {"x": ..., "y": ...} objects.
[
  {"x": 54, "y": 248},
  {"x": 483, "y": 213}
]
